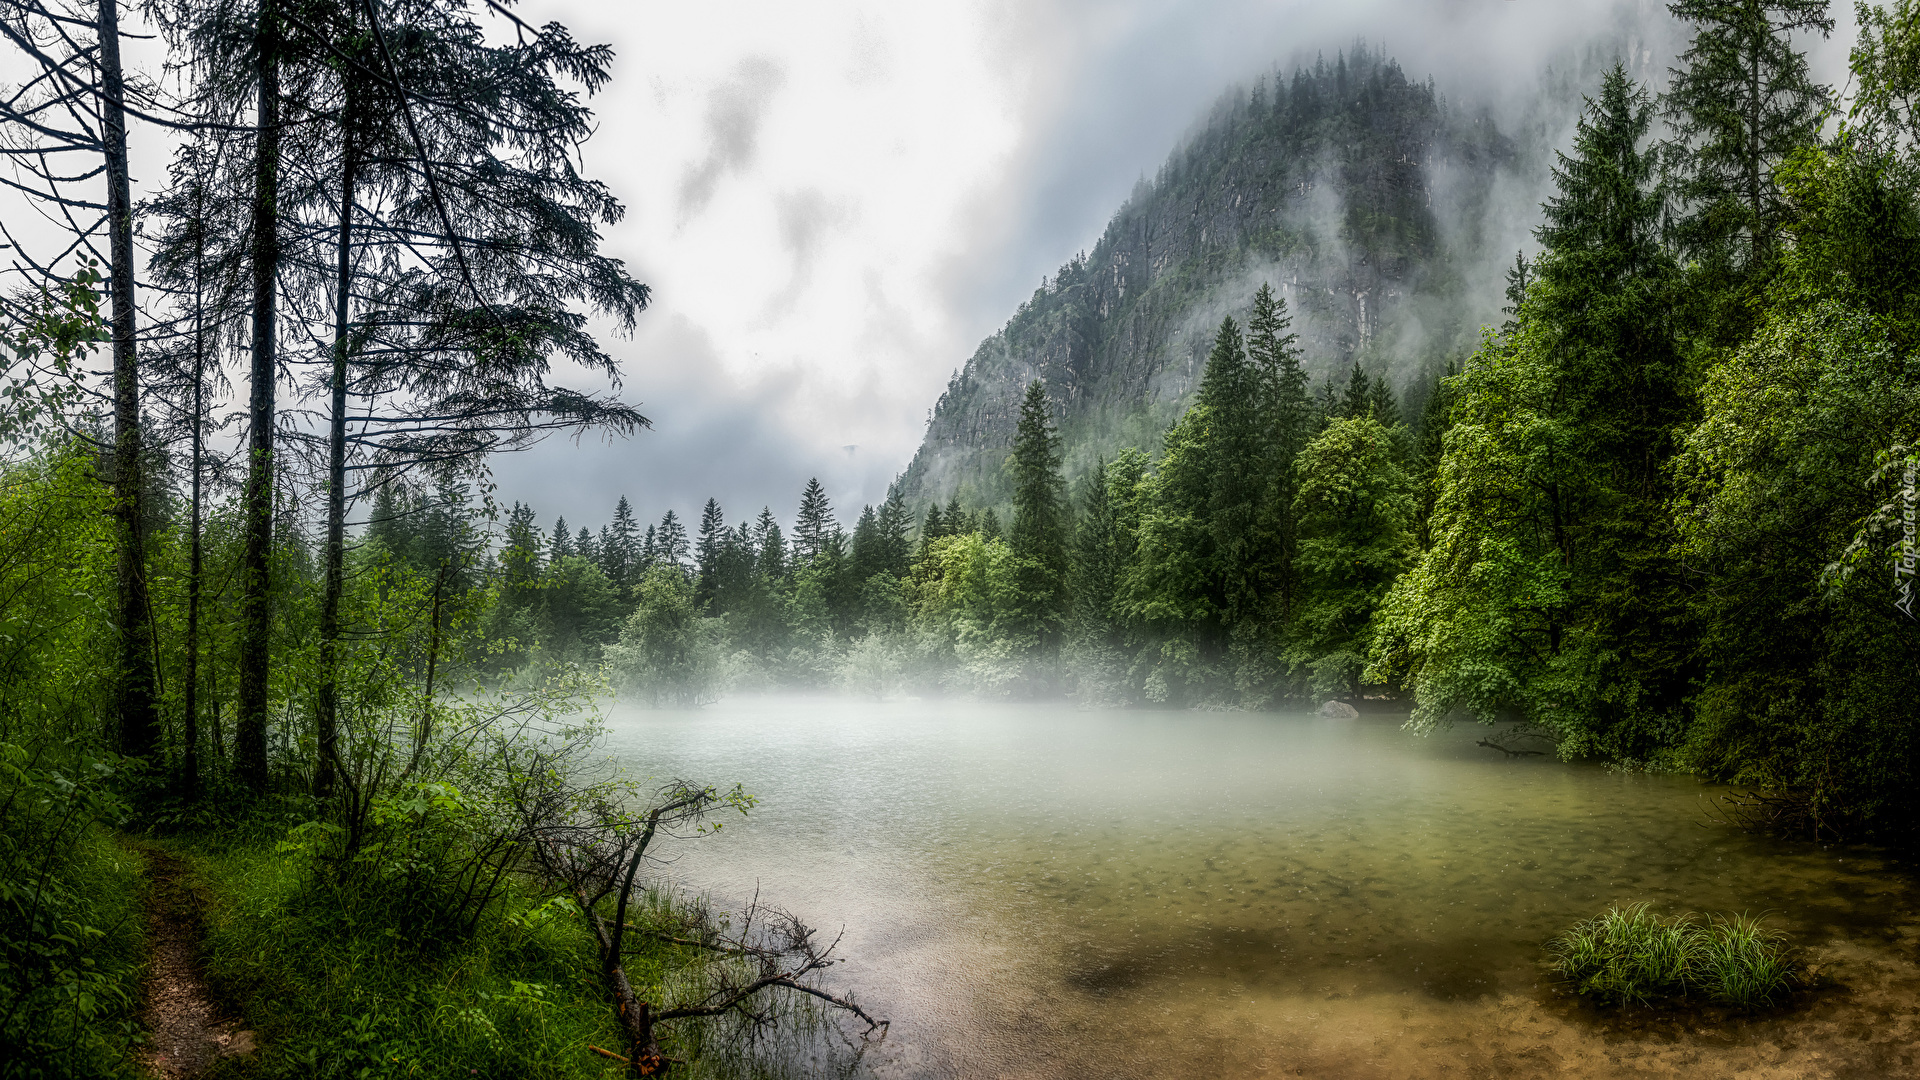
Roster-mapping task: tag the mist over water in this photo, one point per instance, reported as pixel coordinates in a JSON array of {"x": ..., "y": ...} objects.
[{"x": 1043, "y": 891}]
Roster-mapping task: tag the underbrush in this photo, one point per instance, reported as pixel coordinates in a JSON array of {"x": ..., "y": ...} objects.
[
  {"x": 1628, "y": 954},
  {"x": 347, "y": 983},
  {"x": 71, "y": 926}
]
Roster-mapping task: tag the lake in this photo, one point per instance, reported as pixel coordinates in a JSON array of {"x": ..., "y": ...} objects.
[{"x": 1041, "y": 891}]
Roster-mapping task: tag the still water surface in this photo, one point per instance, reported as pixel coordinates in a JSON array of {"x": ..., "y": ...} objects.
[{"x": 1039, "y": 891}]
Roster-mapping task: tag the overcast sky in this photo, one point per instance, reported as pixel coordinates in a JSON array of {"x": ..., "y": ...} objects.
[{"x": 835, "y": 201}]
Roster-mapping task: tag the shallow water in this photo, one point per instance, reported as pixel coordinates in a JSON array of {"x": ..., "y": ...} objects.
[{"x": 1040, "y": 891}]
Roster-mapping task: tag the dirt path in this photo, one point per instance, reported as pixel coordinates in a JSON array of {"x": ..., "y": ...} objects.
[{"x": 180, "y": 1016}]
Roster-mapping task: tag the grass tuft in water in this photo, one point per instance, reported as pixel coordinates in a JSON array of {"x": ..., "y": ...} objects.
[
  {"x": 1744, "y": 963},
  {"x": 1628, "y": 954}
]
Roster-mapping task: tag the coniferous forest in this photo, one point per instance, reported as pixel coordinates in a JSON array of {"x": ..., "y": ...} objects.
[{"x": 277, "y": 661}]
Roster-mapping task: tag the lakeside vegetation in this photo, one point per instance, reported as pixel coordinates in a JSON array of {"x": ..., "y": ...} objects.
[{"x": 1655, "y": 517}]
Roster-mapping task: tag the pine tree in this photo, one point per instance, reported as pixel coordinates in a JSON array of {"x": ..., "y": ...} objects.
[
  {"x": 864, "y": 559},
  {"x": 1291, "y": 421},
  {"x": 933, "y": 528},
  {"x": 957, "y": 522},
  {"x": 814, "y": 523},
  {"x": 1041, "y": 526},
  {"x": 895, "y": 525},
  {"x": 1358, "y": 397},
  {"x": 770, "y": 547},
  {"x": 620, "y": 550},
  {"x": 988, "y": 524},
  {"x": 1741, "y": 100},
  {"x": 1517, "y": 277},
  {"x": 1382, "y": 404},
  {"x": 562, "y": 542},
  {"x": 671, "y": 546},
  {"x": 521, "y": 560},
  {"x": 584, "y": 547},
  {"x": 708, "y": 551}
]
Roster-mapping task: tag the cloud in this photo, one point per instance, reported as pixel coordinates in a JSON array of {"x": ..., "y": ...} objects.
[
  {"x": 836, "y": 202},
  {"x": 735, "y": 110}
]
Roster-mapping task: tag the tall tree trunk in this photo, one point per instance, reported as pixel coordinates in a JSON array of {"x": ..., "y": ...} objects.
[
  {"x": 256, "y": 615},
  {"x": 137, "y": 711},
  {"x": 326, "y": 695},
  {"x": 190, "y": 735}
]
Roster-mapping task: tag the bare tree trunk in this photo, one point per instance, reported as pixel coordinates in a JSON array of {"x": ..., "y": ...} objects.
[
  {"x": 256, "y": 615},
  {"x": 190, "y": 763},
  {"x": 326, "y": 695},
  {"x": 138, "y": 714}
]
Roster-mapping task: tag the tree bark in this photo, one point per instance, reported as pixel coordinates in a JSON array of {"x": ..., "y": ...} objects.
[
  {"x": 326, "y": 695},
  {"x": 256, "y": 615},
  {"x": 137, "y": 712},
  {"x": 190, "y": 734}
]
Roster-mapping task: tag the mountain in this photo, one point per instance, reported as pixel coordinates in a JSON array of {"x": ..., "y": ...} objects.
[{"x": 1382, "y": 215}]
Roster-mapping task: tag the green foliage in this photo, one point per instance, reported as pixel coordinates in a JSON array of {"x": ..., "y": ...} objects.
[
  {"x": 667, "y": 651},
  {"x": 1356, "y": 516},
  {"x": 1630, "y": 955},
  {"x": 1741, "y": 102},
  {"x": 69, "y": 931},
  {"x": 1042, "y": 528},
  {"x": 1550, "y": 586},
  {"x": 348, "y": 990}
]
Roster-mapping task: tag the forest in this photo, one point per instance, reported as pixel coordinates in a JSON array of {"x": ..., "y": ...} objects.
[{"x": 292, "y": 655}]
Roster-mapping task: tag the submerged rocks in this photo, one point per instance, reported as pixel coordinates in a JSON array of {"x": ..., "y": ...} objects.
[{"x": 1339, "y": 710}]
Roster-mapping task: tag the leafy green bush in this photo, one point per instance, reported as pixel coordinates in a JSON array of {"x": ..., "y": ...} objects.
[{"x": 1628, "y": 954}]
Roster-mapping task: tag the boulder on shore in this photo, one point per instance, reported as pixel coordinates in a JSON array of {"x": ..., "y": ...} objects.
[{"x": 1339, "y": 710}]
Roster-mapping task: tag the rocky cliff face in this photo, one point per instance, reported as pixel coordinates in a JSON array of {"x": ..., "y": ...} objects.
[{"x": 1370, "y": 206}]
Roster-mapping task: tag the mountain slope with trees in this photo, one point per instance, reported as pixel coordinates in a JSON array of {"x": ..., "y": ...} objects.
[{"x": 1358, "y": 192}]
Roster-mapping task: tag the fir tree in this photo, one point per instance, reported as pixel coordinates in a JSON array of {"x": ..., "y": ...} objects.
[
  {"x": 814, "y": 523},
  {"x": 1291, "y": 422},
  {"x": 895, "y": 525},
  {"x": 770, "y": 547},
  {"x": 1041, "y": 527},
  {"x": 1358, "y": 396},
  {"x": 1382, "y": 405},
  {"x": 562, "y": 542},
  {"x": 671, "y": 547},
  {"x": 620, "y": 549},
  {"x": 522, "y": 558},
  {"x": 708, "y": 552},
  {"x": 1741, "y": 100},
  {"x": 988, "y": 524}
]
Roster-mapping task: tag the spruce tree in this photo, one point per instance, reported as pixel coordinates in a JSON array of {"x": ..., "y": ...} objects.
[
  {"x": 708, "y": 551},
  {"x": 522, "y": 560},
  {"x": 1357, "y": 399},
  {"x": 1291, "y": 422},
  {"x": 933, "y": 528},
  {"x": 988, "y": 524},
  {"x": 1382, "y": 404},
  {"x": 1741, "y": 100},
  {"x": 1041, "y": 527},
  {"x": 671, "y": 546},
  {"x": 895, "y": 525},
  {"x": 813, "y": 525},
  {"x": 562, "y": 541},
  {"x": 770, "y": 547}
]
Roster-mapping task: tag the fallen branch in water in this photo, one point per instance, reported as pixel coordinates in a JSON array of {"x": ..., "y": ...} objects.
[
  {"x": 1503, "y": 740},
  {"x": 1509, "y": 751},
  {"x": 593, "y": 849}
]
